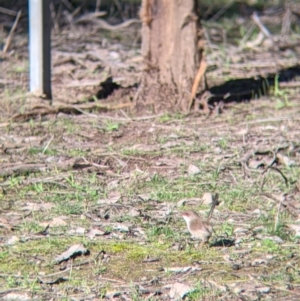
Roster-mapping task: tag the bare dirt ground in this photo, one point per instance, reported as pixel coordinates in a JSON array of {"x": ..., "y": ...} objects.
[{"x": 91, "y": 174}]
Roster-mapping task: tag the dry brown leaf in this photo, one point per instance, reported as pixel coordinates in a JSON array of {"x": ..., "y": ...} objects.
[
  {"x": 295, "y": 228},
  {"x": 263, "y": 289},
  {"x": 94, "y": 232},
  {"x": 17, "y": 296},
  {"x": 179, "y": 290},
  {"x": 255, "y": 163},
  {"x": 5, "y": 224},
  {"x": 37, "y": 207},
  {"x": 55, "y": 222},
  {"x": 112, "y": 198},
  {"x": 77, "y": 231},
  {"x": 284, "y": 160}
]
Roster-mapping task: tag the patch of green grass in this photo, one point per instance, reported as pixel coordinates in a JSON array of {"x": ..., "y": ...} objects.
[
  {"x": 227, "y": 229},
  {"x": 36, "y": 150},
  {"x": 169, "y": 117},
  {"x": 20, "y": 68},
  {"x": 68, "y": 208},
  {"x": 77, "y": 153},
  {"x": 200, "y": 293},
  {"x": 139, "y": 153},
  {"x": 223, "y": 143},
  {"x": 14, "y": 181},
  {"x": 279, "y": 95},
  {"x": 67, "y": 125},
  {"x": 184, "y": 186},
  {"x": 31, "y": 123},
  {"x": 165, "y": 231},
  {"x": 270, "y": 246},
  {"x": 31, "y": 227},
  {"x": 111, "y": 126},
  {"x": 236, "y": 198}
]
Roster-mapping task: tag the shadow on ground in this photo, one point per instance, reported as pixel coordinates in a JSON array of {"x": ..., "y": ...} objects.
[{"x": 239, "y": 90}]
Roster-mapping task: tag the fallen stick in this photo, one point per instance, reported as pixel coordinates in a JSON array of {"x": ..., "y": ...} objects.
[
  {"x": 105, "y": 25},
  {"x": 89, "y": 17},
  {"x": 8, "y": 11},
  {"x": 25, "y": 168},
  {"x": 261, "y": 26},
  {"x": 11, "y": 33},
  {"x": 46, "y": 110}
]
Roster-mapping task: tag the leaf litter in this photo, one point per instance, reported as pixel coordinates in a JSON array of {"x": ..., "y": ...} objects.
[{"x": 90, "y": 176}]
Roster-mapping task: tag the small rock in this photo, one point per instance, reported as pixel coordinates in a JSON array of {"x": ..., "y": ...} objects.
[
  {"x": 236, "y": 267},
  {"x": 94, "y": 232},
  {"x": 276, "y": 239},
  {"x": 193, "y": 170},
  {"x": 80, "y": 230},
  {"x": 207, "y": 198},
  {"x": 258, "y": 261},
  {"x": 77, "y": 231},
  {"x": 177, "y": 269},
  {"x": 238, "y": 290},
  {"x": 263, "y": 289},
  {"x": 12, "y": 240},
  {"x": 121, "y": 228},
  {"x": 114, "y": 55},
  {"x": 243, "y": 131},
  {"x": 17, "y": 296}
]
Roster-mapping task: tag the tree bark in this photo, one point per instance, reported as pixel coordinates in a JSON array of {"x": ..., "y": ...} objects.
[{"x": 172, "y": 48}]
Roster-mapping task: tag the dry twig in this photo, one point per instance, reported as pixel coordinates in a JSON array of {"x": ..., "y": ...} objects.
[
  {"x": 261, "y": 26},
  {"x": 11, "y": 33},
  {"x": 8, "y": 11}
]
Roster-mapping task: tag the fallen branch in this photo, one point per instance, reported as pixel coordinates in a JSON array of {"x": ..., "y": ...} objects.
[
  {"x": 25, "y": 168},
  {"x": 47, "y": 110},
  {"x": 11, "y": 33},
  {"x": 89, "y": 17},
  {"x": 105, "y": 25},
  {"x": 8, "y": 11},
  {"x": 261, "y": 26}
]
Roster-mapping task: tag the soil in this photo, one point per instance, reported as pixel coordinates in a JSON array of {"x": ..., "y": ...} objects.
[{"x": 92, "y": 170}]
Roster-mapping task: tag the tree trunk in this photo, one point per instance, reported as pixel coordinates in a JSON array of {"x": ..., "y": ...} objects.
[{"x": 172, "y": 49}]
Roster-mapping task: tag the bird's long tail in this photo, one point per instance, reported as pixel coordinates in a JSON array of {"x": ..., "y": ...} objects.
[{"x": 213, "y": 205}]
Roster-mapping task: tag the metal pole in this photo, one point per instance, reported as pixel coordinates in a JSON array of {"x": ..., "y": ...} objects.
[{"x": 40, "y": 47}]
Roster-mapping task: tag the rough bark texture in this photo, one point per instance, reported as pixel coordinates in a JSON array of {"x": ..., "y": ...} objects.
[{"x": 172, "y": 51}]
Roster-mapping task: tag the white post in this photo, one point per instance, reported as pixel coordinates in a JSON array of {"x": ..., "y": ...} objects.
[{"x": 40, "y": 47}]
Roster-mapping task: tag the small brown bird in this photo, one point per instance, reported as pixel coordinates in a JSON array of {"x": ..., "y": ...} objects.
[{"x": 197, "y": 227}]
